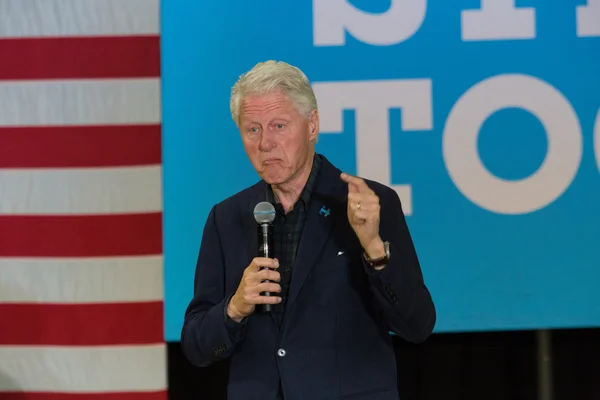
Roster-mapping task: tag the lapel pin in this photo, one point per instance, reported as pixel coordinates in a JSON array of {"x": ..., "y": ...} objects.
[{"x": 325, "y": 211}]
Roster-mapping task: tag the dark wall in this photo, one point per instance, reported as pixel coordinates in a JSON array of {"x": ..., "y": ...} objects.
[{"x": 490, "y": 366}]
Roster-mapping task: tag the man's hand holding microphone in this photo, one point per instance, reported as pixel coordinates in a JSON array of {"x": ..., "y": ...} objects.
[{"x": 258, "y": 277}]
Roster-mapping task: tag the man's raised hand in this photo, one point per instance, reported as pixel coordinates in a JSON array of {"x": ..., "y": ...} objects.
[{"x": 364, "y": 214}]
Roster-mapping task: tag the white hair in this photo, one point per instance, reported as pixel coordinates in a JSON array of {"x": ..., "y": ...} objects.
[{"x": 270, "y": 76}]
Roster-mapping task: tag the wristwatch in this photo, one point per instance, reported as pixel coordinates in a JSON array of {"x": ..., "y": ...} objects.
[{"x": 382, "y": 260}]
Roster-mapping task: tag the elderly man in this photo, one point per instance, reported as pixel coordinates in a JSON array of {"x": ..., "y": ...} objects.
[{"x": 345, "y": 272}]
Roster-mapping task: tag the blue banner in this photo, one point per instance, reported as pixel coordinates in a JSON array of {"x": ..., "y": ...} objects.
[{"x": 483, "y": 115}]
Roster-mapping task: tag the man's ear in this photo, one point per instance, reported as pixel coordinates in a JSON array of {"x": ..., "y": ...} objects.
[{"x": 313, "y": 125}]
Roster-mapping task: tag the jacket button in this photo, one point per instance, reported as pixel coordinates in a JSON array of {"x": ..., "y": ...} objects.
[{"x": 281, "y": 353}]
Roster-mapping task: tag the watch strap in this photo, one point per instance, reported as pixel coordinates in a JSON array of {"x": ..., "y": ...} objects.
[{"x": 382, "y": 260}]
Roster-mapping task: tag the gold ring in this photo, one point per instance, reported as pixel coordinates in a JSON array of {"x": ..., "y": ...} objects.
[{"x": 358, "y": 205}]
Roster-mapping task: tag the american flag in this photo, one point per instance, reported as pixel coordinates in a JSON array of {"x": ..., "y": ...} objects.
[{"x": 81, "y": 265}]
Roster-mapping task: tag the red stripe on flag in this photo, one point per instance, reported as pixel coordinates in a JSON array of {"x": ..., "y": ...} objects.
[
  {"x": 161, "y": 395},
  {"x": 81, "y": 324},
  {"x": 80, "y": 57},
  {"x": 80, "y": 235},
  {"x": 80, "y": 146}
]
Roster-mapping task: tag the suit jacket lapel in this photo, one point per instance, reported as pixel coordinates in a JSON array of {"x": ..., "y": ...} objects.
[{"x": 325, "y": 203}]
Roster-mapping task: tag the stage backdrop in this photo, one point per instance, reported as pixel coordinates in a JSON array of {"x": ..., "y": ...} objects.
[{"x": 484, "y": 116}]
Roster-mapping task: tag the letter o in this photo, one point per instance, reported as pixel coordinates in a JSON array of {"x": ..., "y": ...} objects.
[{"x": 562, "y": 160}]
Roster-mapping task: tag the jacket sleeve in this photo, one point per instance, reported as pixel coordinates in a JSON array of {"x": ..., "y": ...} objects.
[
  {"x": 208, "y": 335},
  {"x": 400, "y": 293}
]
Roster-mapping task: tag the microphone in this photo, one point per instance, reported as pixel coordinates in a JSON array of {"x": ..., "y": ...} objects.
[{"x": 264, "y": 214}]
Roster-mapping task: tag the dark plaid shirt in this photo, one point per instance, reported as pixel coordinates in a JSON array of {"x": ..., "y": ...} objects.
[{"x": 287, "y": 231}]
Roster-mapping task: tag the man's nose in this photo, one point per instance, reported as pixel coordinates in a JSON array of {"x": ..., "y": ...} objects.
[{"x": 267, "y": 142}]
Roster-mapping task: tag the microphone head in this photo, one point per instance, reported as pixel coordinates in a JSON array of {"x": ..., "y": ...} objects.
[{"x": 264, "y": 212}]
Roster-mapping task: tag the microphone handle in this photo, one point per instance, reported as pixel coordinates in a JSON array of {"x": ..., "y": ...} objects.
[{"x": 265, "y": 249}]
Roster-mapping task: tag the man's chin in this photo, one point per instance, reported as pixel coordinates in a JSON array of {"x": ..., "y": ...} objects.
[
  {"x": 274, "y": 179},
  {"x": 273, "y": 176}
]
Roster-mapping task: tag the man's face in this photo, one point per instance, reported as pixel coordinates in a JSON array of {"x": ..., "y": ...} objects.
[{"x": 276, "y": 137}]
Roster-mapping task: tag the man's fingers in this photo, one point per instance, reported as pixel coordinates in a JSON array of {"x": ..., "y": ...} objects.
[
  {"x": 258, "y": 299},
  {"x": 362, "y": 216},
  {"x": 355, "y": 181},
  {"x": 256, "y": 278},
  {"x": 256, "y": 281},
  {"x": 267, "y": 287},
  {"x": 266, "y": 300},
  {"x": 364, "y": 199},
  {"x": 368, "y": 208},
  {"x": 266, "y": 274},
  {"x": 255, "y": 290},
  {"x": 253, "y": 294},
  {"x": 261, "y": 262},
  {"x": 363, "y": 204}
]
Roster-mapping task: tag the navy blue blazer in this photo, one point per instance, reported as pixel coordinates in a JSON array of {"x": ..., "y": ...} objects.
[{"x": 334, "y": 341}]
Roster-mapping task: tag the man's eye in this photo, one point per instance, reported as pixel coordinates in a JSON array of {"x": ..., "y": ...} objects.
[
  {"x": 279, "y": 126},
  {"x": 253, "y": 130}
]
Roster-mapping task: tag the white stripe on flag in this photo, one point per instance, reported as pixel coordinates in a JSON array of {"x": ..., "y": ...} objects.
[
  {"x": 82, "y": 369},
  {"x": 48, "y": 18},
  {"x": 81, "y": 280},
  {"x": 80, "y": 102},
  {"x": 81, "y": 191}
]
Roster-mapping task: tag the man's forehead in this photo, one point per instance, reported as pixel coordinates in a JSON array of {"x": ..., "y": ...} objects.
[
  {"x": 265, "y": 99},
  {"x": 267, "y": 105}
]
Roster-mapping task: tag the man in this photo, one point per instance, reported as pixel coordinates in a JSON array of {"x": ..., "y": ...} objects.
[{"x": 345, "y": 272}]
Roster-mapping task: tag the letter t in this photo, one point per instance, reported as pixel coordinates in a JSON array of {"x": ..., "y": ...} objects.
[{"x": 371, "y": 101}]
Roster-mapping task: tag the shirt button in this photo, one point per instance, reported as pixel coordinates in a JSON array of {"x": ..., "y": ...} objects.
[{"x": 281, "y": 353}]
